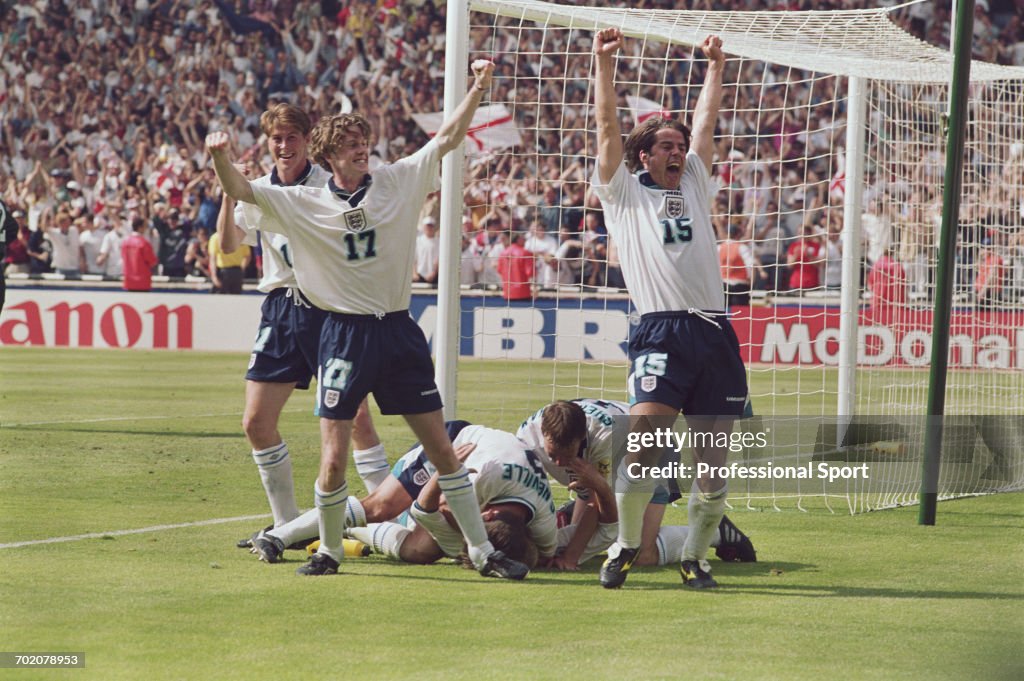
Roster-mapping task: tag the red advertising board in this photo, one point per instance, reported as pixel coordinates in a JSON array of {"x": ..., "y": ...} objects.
[{"x": 896, "y": 337}]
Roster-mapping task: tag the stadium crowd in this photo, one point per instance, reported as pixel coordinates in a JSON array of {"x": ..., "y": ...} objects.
[{"x": 104, "y": 105}]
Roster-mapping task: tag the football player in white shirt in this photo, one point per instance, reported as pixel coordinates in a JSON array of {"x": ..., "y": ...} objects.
[
  {"x": 284, "y": 356},
  {"x": 570, "y": 438},
  {"x": 510, "y": 486},
  {"x": 684, "y": 354},
  {"x": 353, "y": 245},
  {"x": 573, "y": 441}
]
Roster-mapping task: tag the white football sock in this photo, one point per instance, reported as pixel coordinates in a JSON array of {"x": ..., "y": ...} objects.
[
  {"x": 306, "y": 526},
  {"x": 275, "y": 468},
  {"x": 355, "y": 514},
  {"x": 372, "y": 466},
  {"x": 670, "y": 541},
  {"x": 631, "y": 498},
  {"x": 458, "y": 491},
  {"x": 331, "y": 506},
  {"x": 705, "y": 511},
  {"x": 385, "y": 538},
  {"x": 447, "y": 537}
]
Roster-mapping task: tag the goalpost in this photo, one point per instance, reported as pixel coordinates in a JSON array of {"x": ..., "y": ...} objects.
[{"x": 829, "y": 151}]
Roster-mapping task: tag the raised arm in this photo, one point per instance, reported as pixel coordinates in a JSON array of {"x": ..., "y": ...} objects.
[
  {"x": 231, "y": 235},
  {"x": 453, "y": 130},
  {"x": 705, "y": 116},
  {"x": 233, "y": 182},
  {"x": 609, "y": 136}
]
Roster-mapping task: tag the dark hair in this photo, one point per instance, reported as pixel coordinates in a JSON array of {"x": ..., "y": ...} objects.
[
  {"x": 641, "y": 139},
  {"x": 564, "y": 422},
  {"x": 509, "y": 535}
]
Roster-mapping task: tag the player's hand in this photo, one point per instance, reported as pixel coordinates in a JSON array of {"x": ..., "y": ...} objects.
[
  {"x": 607, "y": 41},
  {"x": 463, "y": 451},
  {"x": 587, "y": 475},
  {"x": 483, "y": 71},
  {"x": 560, "y": 563},
  {"x": 712, "y": 49},
  {"x": 217, "y": 142}
]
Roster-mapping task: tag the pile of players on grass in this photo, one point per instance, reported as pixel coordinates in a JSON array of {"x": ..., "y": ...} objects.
[{"x": 404, "y": 515}]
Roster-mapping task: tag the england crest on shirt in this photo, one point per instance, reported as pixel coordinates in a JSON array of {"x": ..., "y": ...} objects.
[
  {"x": 674, "y": 206},
  {"x": 355, "y": 220}
]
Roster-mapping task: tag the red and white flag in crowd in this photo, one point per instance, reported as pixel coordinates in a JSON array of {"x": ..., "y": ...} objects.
[
  {"x": 645, "y": 108},
  {"x": 492, "y": 128}
]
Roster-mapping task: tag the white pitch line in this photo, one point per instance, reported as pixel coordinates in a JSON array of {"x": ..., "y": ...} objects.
[
  {"x": 130, "y": 418},
  {"x": 141, "y": 530}
]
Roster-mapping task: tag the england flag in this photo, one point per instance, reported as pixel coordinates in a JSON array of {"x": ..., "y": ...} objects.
[{"x": 492, "y": 129}]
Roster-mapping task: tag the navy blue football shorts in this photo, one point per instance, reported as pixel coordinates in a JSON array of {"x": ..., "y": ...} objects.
[
  {"x": 288, "y": 343},
  {"x": 687, "y": 362},
  {"x": 413, "y": 469},
  {"x": 385, "y": 355}
]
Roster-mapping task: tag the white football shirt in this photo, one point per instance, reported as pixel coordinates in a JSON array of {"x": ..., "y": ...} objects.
[
  {"x": 354, "y": 259},
  {"x": 598, "y": 449},
  {"x": 277, "y": 256},
  {"x": 502, "y": 472},
  {"x": 505, "y": 473},
  {"x": 666, "y": 242}
]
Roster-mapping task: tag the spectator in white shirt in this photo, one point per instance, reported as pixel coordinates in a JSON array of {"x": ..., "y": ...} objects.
[{"x": 428, "y": 252}]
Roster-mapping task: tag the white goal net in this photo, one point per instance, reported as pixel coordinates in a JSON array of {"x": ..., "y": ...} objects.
[{"x": 797, "y": 206}]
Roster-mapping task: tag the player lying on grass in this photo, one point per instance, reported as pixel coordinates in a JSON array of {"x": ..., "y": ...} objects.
[
  {"x": 396, "y": 494},
  {"x": 515, "y": 504}
]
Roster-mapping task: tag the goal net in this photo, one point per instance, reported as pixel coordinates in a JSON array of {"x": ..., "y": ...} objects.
[{"x": 829, "y": 162}]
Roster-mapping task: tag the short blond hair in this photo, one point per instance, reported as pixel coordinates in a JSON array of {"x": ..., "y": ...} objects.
[
  {"x": 286, "y": 116},
  {"x": 329, "y": 131}
]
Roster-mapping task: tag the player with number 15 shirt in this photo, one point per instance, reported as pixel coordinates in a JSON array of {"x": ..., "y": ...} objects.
[{"x": 684, "y": 355}]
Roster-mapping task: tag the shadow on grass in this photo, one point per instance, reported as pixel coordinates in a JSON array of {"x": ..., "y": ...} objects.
[
  {"x": 839, "y": 591},
  {"x": 735, "y": 578}
]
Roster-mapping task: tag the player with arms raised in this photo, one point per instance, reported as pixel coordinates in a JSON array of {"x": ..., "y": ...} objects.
[
  {"x": 284, "y": 356},
  {"x": 656, "y": 193},
  {"x": 353, "y": 246}
]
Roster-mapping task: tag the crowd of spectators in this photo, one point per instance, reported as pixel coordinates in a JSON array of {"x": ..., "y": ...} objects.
[{"x": 104, "y": 105}]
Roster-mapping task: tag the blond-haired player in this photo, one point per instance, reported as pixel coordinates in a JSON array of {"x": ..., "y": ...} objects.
[{"x": 353, "y": 245}]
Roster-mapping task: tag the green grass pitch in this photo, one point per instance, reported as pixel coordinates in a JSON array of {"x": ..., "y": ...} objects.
[{"x": 96, "y": 442}]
